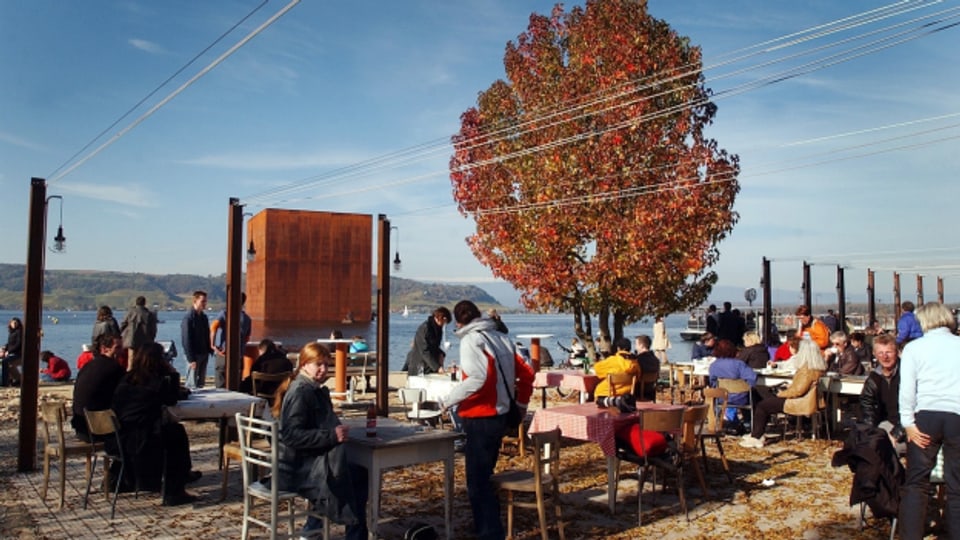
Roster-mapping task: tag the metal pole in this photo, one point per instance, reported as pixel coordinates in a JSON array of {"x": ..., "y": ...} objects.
[
  {"x": 767, "y": 301},
  {"x": 919, "y": 290},
  {"x": 896, "y": 298},
  {"x": 940, "y": 288},
  {"x": 841, "y": 298},
  {"x": 32, "y": 311},
  {"x": 234, "y": 352},
  {"x": 871, "y": 298},
  {"x": 807, "y": 293},
  {"x": 383, "y": 315}
]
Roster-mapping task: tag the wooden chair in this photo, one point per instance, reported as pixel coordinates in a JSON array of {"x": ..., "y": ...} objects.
[
  {"x": 735, "y": 386},
  {"x": 693, "y": 419},
  {"x": 418, "y": 409},
  {"x": 251, "y": 428},
  {"x": 716, "y": 399},
  {"x": 232, "y": 451},
  {"x": 664, "y": 420},
  {"x": 542, "y": 481},
  {"x": 105, "y": 424},
  {"x": 622, "y": 380},
  {"x": 57, "y": 446},
  {"x": 648, "y": 378},
  {"x": 272, "y": 380},
  {"x": 818, "y": 417},
  {"x": 519, "y": 439}
]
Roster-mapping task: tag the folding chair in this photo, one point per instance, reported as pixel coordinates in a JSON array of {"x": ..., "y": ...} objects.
[{"x": 250, "y": 428}]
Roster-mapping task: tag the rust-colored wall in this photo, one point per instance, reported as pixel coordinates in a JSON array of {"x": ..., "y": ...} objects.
[{"x": 310, "y": 267}]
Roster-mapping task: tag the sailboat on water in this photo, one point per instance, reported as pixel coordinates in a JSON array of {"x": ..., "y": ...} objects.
[{"x": 406, "y": 311}]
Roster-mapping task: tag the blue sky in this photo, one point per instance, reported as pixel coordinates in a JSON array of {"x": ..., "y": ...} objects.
[{"x": 334, "y": 84}]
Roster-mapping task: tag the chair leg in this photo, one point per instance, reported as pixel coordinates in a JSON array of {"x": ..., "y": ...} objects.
[
  {"x": 509, "y": 514},
  {"x": 681, "y": 494},
  {"x": 63, "y": 478},
  {"x": 46, "y": 476},
  {"x": 226, "y": 475},
  {"x": 556, "y": 508},
  {"x": 695, "y": 461},
  {"x": 542, "y": 515},
  {"x": 86, "y": 496}
]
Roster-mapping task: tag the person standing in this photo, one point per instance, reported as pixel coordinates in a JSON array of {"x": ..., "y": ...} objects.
[
  {"x": 908, "y": 328},
  {"x": 11, "y": 353},
  {"x": 218, "y": 340},
  {"x": 489, "y": 361},
  {"x": 195, "y": 338},
  {"x": 660, "y": 340},
  {"x": 138, "y": 328},
  {"x": 105, "y": 324},
  {"x": 96, "y": 382},
  {"x": 930, "y": 415},
  {"x": 426, "y": 355}
]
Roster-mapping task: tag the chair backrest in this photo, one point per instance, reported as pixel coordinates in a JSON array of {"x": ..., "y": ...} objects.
[
  {"x": 53, "y": 414},
  {"x": 249, "y": 427},
  {"x": 733, "y": 386},
  {"x": 664, "y": 420},
  {"x": 259, "y": 377},
  {"x": 102, "y": 422},
  {"x": 409, "y": 396},
  {"x": 693, "y": 418},
  {"x": 716, "y": 398},
  {"x": 621, "y": 379},
  {"x": 546, "y": 457}
]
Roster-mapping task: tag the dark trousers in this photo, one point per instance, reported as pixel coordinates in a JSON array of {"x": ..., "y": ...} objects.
[
  {"x": 358, "y": 531},
  {"x": 484, "y": 436},
  {"x": 943, "y": 429},
  {"x": 762, "y": 412},
  {"x": 10, "y": 375}
]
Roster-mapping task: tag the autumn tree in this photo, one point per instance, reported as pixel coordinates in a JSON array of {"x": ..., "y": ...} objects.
[{"x": 593, "y": 186}]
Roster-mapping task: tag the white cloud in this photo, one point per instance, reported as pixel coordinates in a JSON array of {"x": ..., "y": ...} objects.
[
  {"x": 127, "y": 195},
  {"x": 277, "y": 160},
  {"x": 146, "y": 46}
]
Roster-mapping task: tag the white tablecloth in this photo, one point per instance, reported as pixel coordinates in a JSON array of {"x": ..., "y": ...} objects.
[{"x": 214, "y": 403}]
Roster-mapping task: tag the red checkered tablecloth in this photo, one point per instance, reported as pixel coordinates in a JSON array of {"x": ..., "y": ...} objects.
[
  {"x": 587, "y": 422},
  {"x": 566, "y": 378}
]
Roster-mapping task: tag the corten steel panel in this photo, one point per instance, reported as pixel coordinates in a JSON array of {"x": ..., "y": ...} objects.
[{"x": 310, "y": 267}]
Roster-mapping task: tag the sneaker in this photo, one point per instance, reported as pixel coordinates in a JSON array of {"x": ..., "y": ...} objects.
[{"x": 749, "y": 441}]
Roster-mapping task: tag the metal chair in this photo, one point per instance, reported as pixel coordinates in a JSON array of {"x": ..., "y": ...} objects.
[
  {"x": 249, "y": 428},
  {"x": 663, "y": 420},
  {"x": 716, "y": 399},
  {"x": 57, "y": 446},
  {"x": 105, "y": 424},
  {"x": 418, "y": 409},
  {"x": 542, "y": 481},
  {"x": 232, "y": 451}
]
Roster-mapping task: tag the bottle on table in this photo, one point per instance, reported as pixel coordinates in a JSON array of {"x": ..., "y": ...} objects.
[{"x": 371, "y": 421}]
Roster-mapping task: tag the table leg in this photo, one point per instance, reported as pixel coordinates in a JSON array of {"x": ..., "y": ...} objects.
[
  {"x": 223, "y": 440},
  {"x": 612, "y": 466},
  {"x": 543, "y": 397},
  {"x": 448, "y": 495}
]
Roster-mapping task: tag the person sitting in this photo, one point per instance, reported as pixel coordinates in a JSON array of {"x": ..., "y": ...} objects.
[
  {"x": 271, "y": 360},
  {"x": 649, "y": 363},
  {"x": 86, "y": 355},
  {"x": 729, "y": 366},
  {"x": 620, "y": 363},
  {"x": 154, "y": 441},
  {"x": 787, "y": 349},
  {"x": 841, "y": 357},
  {"x": 704, "y": 347},
  {"x": 809, "y": 325},
  {"x": 96, "y": 382},
  {"x": 754, "y": 352},
  {"x": 57, "y": 369},
  {"x": 359, "y": 345},
  {"x": 908, "y": 327},
  {"x": 863, "y": 350},
  {"x": 312, "y": 456},
  {"x": 879, "y": 403},
  {"x": 797, "y": 398}
]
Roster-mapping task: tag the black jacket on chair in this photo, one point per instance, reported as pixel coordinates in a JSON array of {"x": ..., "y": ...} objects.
[{"x": 877, "y": 471}]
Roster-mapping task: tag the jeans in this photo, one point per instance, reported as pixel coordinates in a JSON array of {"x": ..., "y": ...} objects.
[
  {"x": 943, "y": 429},
  {"x": 484, "y": 436},
  {"x": 200, "y": 374}
]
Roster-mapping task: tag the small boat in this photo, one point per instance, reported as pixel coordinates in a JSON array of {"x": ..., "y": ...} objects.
[
  {"x": 696, "y": 325},
  {"x": 406, "y": 311}
]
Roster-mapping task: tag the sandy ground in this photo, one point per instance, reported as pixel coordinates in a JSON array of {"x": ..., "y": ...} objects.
[{"x": 808, "y": 499}]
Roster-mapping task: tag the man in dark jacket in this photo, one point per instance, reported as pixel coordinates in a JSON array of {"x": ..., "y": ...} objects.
[
  {"x": 426, "y": 356},
  {"x": 879, "y": 399},
  {"x": 195, "y": 337},
  {"x": 139, "y": 327},
  {"x": 96, "y": 382}
]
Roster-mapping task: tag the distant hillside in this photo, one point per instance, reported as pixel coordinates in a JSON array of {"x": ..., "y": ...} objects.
[{"x": 89, "y": 289}]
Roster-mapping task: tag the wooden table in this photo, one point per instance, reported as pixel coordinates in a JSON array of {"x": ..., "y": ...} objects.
[
  {"x": 565, "y": 378},
  {"x": 587, "y": 422},
  {"x": 399, "y": 445}
]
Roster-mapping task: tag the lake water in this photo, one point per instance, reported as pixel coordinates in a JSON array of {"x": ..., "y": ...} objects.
[{"x": 73, "y": 328}]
